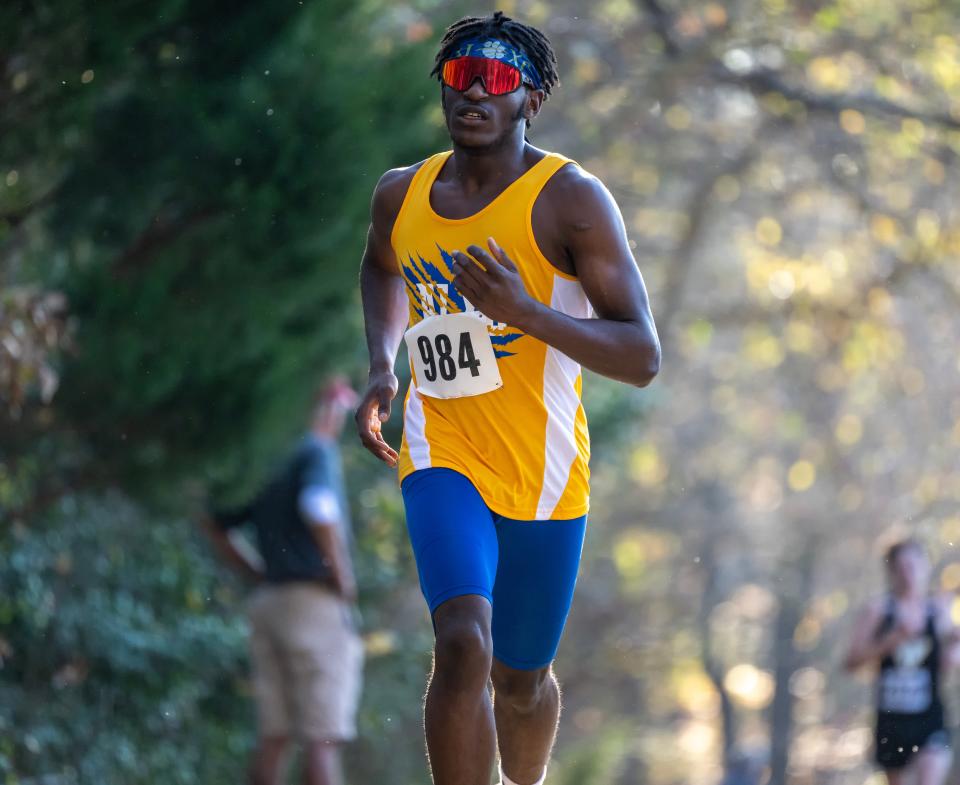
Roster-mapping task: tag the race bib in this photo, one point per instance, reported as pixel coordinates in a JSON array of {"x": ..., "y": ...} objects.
[
  {"x": 452, "y": 356},
  {"x": 906, "y": 690}
]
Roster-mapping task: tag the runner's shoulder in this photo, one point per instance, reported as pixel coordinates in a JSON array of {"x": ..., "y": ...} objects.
[
  {"x": 580, "y": 198},
  {"x": 391, "y": 189}
]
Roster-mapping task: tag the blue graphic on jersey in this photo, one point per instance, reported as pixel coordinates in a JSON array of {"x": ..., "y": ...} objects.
[
  {"x": 503, "y": 340},
  {"x": 432, "y": 291}
]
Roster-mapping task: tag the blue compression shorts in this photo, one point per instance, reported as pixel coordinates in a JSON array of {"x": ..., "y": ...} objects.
[{"x": 527, "y": 570}]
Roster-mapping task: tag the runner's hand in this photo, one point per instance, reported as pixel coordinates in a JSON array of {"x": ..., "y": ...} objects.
[
  {"x": 493, "y": 286},
  {"x": 908, "y": 630},
  {"x": 901, "y": 632},
  {"x": 373, "y": 411}
]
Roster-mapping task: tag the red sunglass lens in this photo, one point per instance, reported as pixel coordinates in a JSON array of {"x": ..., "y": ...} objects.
[
  {"x": 498, "y": 77},
  {"x": 501, "y": 78}
]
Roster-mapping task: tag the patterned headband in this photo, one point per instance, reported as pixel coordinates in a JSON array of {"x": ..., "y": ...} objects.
[{"x": 495, "y": 49}]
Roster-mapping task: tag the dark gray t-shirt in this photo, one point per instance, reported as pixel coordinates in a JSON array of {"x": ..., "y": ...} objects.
[{"x": 289, "y": 550}]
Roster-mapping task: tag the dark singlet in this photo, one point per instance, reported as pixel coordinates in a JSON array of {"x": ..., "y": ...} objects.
[{"x": 909, "y": 708}]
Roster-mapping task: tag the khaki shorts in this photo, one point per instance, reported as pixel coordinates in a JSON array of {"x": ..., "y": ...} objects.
[{"x": 307, "y": 662}]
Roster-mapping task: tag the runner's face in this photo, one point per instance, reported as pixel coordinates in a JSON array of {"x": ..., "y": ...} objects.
[
  {"x": 478, "y": 120},
  {"x": 910, "y": 571}
]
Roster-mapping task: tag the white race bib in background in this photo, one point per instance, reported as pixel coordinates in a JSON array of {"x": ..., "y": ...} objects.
[{"x": 906, "y": 690}]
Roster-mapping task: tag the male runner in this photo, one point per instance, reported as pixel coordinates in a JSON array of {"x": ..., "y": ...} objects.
[{"x": 493, "y": 465}]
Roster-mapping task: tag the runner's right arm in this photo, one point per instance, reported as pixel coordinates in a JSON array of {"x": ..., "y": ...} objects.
[
  {"x": 385, "y": 312},
  {"x": 948, "y": 632}
]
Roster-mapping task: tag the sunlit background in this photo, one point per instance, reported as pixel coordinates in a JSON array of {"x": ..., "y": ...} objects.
[{"x": 183, "y": 201}]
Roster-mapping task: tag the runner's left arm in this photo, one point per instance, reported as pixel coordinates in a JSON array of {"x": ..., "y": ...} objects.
[{"x": 622, "y": 341}]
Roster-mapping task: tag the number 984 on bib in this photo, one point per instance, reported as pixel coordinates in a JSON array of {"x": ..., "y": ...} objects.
[{"x": 452, "y": 356}]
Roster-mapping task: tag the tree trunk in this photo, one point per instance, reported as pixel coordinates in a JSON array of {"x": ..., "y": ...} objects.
[{"x": 795, "y": 593}]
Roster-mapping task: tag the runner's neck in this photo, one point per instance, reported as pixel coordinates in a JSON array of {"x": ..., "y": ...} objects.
[{"x": 475, "y": 172}]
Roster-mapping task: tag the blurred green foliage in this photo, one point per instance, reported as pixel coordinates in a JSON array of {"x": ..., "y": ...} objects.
[
  {"x": 209, "y": 212},
  {"x": 195, "y": 179},
  {"x": 122, "y": 666}
]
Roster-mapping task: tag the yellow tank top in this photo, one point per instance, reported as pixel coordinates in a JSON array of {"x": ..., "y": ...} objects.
[{"x": 525, "y": 445}]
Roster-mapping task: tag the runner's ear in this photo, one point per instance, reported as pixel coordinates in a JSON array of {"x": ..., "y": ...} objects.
[{"x": 533, "y": 104}]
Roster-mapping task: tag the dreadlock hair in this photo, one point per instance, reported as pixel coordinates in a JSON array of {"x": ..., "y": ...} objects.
[{"x": 533, "y": 43}]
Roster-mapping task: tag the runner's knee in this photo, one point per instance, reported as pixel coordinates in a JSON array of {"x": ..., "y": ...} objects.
[
  {"x": 522, "y": 690},
  {"x": 463, "y": 647}
]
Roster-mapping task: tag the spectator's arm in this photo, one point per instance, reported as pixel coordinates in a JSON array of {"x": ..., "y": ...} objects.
[
  {"x": 232, "y": 548},
  {"x": 321, "y": 512}
]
